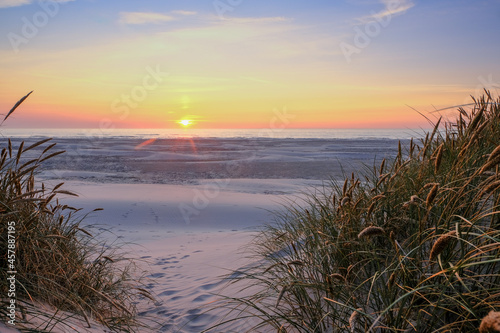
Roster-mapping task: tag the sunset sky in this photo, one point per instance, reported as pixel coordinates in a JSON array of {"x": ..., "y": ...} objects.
[{"x": 239, "y": 63}]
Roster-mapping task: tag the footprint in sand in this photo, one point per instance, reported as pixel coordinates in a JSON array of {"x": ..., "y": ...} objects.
[
  {"x": 202, "y": 298},
  {"x": 126, "y": 214},
  {"x": 164, "y": 261},
  {"x": 153, "y": 213},
  {"x": 168, "y": 293},
  {"x": 156, "y": 275},
  {"x": 163, "y": 312},
  {"x": 210, "y": 286}
]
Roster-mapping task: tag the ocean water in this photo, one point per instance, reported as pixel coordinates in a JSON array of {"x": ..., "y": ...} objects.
[{"x": 400, "y": 134}]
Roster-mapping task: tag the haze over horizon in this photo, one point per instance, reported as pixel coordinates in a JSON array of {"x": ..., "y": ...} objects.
[{"x": 238, "y": 64}]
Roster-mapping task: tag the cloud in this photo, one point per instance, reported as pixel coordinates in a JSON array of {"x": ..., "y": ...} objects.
[
  {"x": 13, "y": 3},
  {"x": 176, "y": 15},
  {"x": 250, "y": 20},
  {"x": 152, "y": 17},
  {"x": 17, "y": 3},
  {"x": 183, "y": 12},
  {"x": 392, "y": 8},
  {"x": 144, "y": 18},
  {"x": 228, "y": 30}
]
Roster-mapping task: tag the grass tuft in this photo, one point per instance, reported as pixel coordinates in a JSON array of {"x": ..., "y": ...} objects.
[
  {"x": 59, "y": 262},
  {"x": 437, "y": 268}
]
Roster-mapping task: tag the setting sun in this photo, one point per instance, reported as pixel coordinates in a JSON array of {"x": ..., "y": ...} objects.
[{"x": 185, "y": 122}]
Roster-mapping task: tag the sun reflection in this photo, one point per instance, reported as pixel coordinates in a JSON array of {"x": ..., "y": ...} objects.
[{"x": 145, "y": 143}]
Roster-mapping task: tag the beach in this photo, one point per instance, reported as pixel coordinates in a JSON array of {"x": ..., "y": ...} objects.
[{"x": 186, "y": 208}]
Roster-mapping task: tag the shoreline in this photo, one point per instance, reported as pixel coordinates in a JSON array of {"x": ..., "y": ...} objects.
[{"x": 185, "y": 161}]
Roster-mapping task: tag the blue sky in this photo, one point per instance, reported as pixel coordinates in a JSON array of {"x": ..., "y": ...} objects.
[{"x": 257, "y": 56}]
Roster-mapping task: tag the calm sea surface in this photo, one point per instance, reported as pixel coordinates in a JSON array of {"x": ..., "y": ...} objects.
[{"x": 219, "y": 133}]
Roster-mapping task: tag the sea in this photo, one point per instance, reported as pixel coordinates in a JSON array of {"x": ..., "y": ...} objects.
[{"x": 366, "y": 134}]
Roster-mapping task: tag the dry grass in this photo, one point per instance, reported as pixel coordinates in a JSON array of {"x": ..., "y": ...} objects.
[
  {"x": 434, "y": 263},
  {"x": 58, "y": 262}
]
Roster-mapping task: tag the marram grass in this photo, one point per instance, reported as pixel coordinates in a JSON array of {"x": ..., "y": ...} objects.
[
  {"x": 412, "y": 246},
  {"x": 59, "y": 263}
]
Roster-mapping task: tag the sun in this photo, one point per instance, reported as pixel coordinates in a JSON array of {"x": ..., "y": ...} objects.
[{"x": 185, "y": 122}]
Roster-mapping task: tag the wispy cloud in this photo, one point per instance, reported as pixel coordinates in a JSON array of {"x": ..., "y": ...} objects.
[
  {"x": 392, "y": 8},
  {"x": 183, "y": 12},
  {"x": 144, "y": 18},
  {"x": 228, "y": 30},
  {"x": 153, "y": 17},
  {"x": 13, "y": 3},
  {"x": 17, "y": 3},
  {"x": 177, "y": 15},
  {"x": 250, "y": 20}
]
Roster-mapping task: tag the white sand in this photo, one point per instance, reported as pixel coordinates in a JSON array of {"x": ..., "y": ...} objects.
[{"x": 186, "y": 260}]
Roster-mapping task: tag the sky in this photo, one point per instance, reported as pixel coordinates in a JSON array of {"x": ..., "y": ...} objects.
[{"x": 244, "y": 63}]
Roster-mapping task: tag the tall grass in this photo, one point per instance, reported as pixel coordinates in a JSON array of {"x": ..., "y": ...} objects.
[
  {"x": 410, "y": 246},
  {"x": 58, "y": 262}
]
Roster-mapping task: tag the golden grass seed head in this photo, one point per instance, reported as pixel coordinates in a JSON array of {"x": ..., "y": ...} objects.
[
  {"x": 490, "y": 323},
  {"x": 432, "y": 195},
  {"x": 377, "y": 197},
  {"x": 370, "y": 209},
  {"x": 382, "y": 165},
  {"x": 344, "y": 188},
  {"x": 475, "y": 121},
  {"x": 353, "y": 319},
  {"x": 490, "y": 188},
  {"x": 357, "y": 203},
  {"x": 494, "y": 154},
  {"x": 371, "y": 231},
  {"x": 383, "y": 178},
  {"x": 413, "y": 201},
  {"x": 391, "y": 280},
  {"x": 10, "y": 148},
  {"x": 441, "y": 243},
  {"x": 439, "y": 156},
  {"x": 490, "y": 164}
]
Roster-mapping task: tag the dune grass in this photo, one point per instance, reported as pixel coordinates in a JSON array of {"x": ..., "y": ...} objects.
[
  {"x": 410, "y": 246},
  {"x": 58, "y": 262}
]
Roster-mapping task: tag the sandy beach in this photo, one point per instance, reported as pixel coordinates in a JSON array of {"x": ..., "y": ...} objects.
[{"x": 186, "y": 208}]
